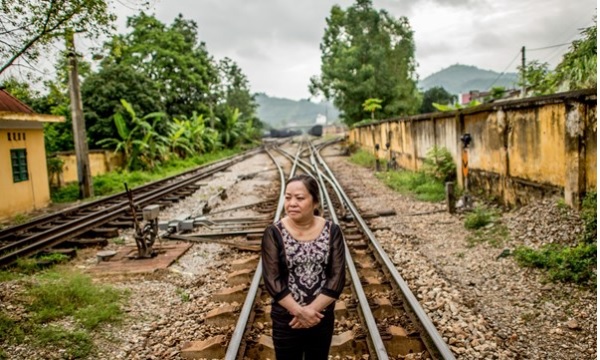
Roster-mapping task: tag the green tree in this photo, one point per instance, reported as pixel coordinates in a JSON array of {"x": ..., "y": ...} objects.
[
  {"x": 537, "y": 78},
  {"x": 367, "y": 53},
  {"x": 371, "y": 105},
  {"x": 171, "y": 57},
  {"x": 102, "y": 92},
  {"x": 234, "y": 90},
  {"x": 21, "y": 90},
  {"x": 437, "y": 95},
  {"x": 57, "y": 136},
  {"x": 29, "y": 27},
  {"x": 579, "y": 66}
]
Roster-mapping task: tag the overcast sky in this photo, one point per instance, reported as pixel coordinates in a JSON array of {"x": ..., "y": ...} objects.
[{"x": 276, "y": 42}]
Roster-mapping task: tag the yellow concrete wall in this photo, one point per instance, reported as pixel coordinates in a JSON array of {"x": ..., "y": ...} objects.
[
  {"x": 522, "y": 148},
  {"x": 536, "y": 144},
  {"x": 26, "y": 195},
  {"x": 101, "y": 162}
]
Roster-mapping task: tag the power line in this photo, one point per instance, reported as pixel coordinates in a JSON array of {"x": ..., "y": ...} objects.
[
  {"x": 548, "y": 47},
  {"x": 506, "y": 68}
]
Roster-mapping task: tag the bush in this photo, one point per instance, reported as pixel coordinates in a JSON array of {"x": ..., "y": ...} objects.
[{"x": 439, "y": 164}]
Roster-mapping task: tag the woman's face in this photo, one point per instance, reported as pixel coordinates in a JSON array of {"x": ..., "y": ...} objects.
[{"x": 299, "y": 204}]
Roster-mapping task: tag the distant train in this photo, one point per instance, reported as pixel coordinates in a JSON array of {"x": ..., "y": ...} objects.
[{"x": 316, "y": 130}]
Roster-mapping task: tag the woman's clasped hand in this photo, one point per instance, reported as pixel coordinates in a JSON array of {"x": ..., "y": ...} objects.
[{"x": 305, "y": 318}]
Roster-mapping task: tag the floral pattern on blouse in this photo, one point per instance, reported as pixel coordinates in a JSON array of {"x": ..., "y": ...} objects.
[{"x": 306, "y": 261}]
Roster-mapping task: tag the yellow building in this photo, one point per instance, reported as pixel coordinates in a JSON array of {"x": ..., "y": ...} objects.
[{"x": 23, "y": 173}]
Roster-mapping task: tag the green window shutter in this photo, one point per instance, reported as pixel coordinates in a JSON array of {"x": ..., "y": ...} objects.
[{"x": 18, "y": 158}]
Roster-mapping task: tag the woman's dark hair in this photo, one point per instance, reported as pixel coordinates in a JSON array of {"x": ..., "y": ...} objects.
[{"x": 312, "y": 186}]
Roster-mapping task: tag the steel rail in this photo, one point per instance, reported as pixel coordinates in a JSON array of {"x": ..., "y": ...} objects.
[
  {"x": 440, "y": 347},
  {"x": 375, "y": 336},
  {"x": 242, "y": 323}
]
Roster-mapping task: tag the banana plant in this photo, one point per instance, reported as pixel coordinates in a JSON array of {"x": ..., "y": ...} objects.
[
  {"x": 138, "y": 140},
  {"x": 231, "y": 127},
  {"x": 179, "y": 139}
]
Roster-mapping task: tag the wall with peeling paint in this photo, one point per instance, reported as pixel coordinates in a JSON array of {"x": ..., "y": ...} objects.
[{"x": 520, "y": 150}]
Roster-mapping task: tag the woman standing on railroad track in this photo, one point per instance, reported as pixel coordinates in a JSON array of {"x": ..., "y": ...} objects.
[{"x": 304, "y": 271}]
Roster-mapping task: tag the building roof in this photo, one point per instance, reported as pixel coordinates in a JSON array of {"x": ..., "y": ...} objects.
[
  {"x": 12, "y": 104},
  {"x": 13, "y": 109}
]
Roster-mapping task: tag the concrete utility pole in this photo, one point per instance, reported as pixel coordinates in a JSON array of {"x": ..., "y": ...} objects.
[{"x": 79, "y": 135}]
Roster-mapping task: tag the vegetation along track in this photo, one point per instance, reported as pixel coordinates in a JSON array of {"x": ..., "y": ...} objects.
[{"x": 376, "y": 315}]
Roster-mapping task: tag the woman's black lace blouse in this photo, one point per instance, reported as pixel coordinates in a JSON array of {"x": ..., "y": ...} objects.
[{"x": 303, "y": 269}]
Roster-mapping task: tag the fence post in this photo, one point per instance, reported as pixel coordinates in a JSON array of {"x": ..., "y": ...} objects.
[{"x": 450, "y": 200}]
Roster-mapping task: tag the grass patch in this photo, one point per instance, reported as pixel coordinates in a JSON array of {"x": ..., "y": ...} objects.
[
  {"x": 28, "y": 266},
  {"x": 486, "y": 227},
  {"x": 418, "y": 184},
  {"x": 365, "y": 159},
  {"x": 183, "y": 295},
  {"x": 20, "y": 219},
  {"x": 562, "y": 263},
  {"x": 118, "y": 241},
  {"x": 423, "y": 185},
  {"x": 7, "y": 275},
  {"x": 112, "y": 183},
  {"x": 10, "y": 330},
  {"x": 58, "y": 294},
  {"x": 77, "y": 344}
]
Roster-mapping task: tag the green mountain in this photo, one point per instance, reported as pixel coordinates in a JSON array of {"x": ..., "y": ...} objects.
[
  {"x": 464, "y": 78},
  {"x": 278, "y": 112}
]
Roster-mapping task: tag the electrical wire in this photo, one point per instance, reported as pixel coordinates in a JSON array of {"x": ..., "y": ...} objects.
[
  {"x": 503, "y": 71},
  {"x": 548, "y": 47}
]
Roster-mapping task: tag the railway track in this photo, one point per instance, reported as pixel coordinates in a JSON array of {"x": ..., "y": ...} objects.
[
  {"x": 101, "y": 217},
  {"x": 376, "y": 316}
]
